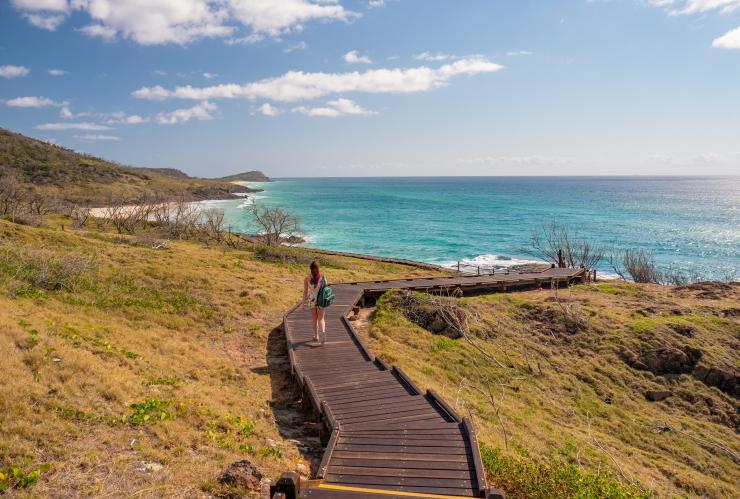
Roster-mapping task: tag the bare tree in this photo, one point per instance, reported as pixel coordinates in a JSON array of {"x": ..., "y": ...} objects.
[
  {"x": 276, "y": 224},
  {"x": 557, "y": 244},
  {"x": 12, "y": 195},
  {"x": 639, "y": 265},
  {"x": 213, "y": 224},
  {"x": 80, "y": 215}
]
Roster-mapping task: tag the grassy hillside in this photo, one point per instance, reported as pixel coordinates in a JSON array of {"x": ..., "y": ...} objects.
[
  {"x": 85, "y": 179},
  {"x": 129, "y": 370},
  {"x": 558, "y": 385}
]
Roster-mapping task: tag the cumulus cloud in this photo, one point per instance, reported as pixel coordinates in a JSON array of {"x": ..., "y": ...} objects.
[
  {"x": 184, "y": 21},
  {"x": 13, "y": 71},
  {"x": 72, "y": 126},
  {"x": 730, "y": 40},
  {"x": 96, "y": 137},
  {"x": 49, "y": 22},
  {"x": 353, "y": 57},
  {"x": 33, "y": 102},
  {"x": 334, "y": 109},
  {"x": 210, "y": 76},
  {"x": 298, "y": 85},
  {"x": 202, "y": 112},
  {"x": 57, "y": 72},
  {"x": 123, "y": 119},
  {"x": 267, "y": 109}
]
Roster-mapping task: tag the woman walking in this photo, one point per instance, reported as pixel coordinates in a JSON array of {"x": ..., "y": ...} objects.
[{"x": 311, "y": 287}]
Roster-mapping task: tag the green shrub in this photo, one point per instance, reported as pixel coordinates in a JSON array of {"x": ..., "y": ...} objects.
[
  {"x": 13, "y": 477},
  {"x": 149, "y": 412},
  {"x": 522, "y": 477}
]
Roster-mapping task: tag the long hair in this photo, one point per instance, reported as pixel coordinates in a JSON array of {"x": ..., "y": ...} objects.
[{"x": 315, "y": 273}]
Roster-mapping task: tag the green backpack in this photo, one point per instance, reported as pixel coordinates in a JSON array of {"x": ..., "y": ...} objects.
[{"x": 325, "y": 296}]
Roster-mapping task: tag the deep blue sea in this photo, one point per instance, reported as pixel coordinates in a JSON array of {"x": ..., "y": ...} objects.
[{"x": 688, "y": 223}]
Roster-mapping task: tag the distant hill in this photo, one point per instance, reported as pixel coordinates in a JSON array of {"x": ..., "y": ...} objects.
[
  {"x": 82, "y": 178},
  {"x": 253, "y": 176}
]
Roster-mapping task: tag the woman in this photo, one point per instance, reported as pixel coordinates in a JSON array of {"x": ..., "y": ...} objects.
[{"x": 311, "y": 287}]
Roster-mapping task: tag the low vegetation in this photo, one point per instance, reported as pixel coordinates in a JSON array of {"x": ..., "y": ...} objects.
[
  {"x": 613, "y": 389},
  {"x": 132, "y": 368}
]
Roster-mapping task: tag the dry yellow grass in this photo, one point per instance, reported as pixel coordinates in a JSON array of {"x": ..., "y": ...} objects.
[
  {"x": 569, "y": 397},
  {"x": 187, "y": 333}
]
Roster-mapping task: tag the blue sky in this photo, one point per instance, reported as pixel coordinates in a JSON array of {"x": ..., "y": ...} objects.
[{"x": 373, "y": 87}]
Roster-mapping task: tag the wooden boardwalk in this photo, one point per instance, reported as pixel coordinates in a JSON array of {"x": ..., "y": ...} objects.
[{"x": 385, "y": 437}]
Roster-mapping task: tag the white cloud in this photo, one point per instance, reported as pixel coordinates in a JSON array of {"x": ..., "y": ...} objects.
[
  {"x": 210, "y": 76},
  {"x": 49, "y": 22},
  {"x": 334, "y": 108},
  {"x": 376, "y": 4},
  {"x": 159, "y": 72},
  {"x": 274, "y": 18},
  {"x": 298, "y": 85},
  {"x": 202, "y": 112},
  {"x": 183, "y": 21},
  {"x": 96, "y": 137},
  {"x": 99, "y": 31},
  {"x": 41, "y": 5},
  {"x": 683, "y": 7},
  {"x": 157, "y": 92},
  {"x": 124, "y": 119},
  {"x": 353, "y": 57},
  {"x": 267, "y": 109},
  {"x": 13, "y": 71},
  {"x": 297, "y": 46},
  {"x": 33, "y": 102},
  {"x": 72, "y": 126},
  {"x": 67, "y": 113},
  {"x": 57, "y": 72},
  {"x": 428, "y": 56},
  {"x": 730, "y": 40}
]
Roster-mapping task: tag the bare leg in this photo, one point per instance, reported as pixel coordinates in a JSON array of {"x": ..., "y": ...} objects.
[
  {"x": 315, "y": 323},
  {"x": 320, "y": 321}
]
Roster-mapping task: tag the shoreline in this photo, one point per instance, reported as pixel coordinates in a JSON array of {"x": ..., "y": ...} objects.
[{"x": 526, "y": 267}]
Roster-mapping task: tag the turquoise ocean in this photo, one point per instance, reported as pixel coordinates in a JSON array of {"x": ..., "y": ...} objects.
[{"x": 688, "y": 223}]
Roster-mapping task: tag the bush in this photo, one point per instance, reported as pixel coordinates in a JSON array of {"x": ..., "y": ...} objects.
[
  {"x": 45, "y": 269},
  {"x": 522, "y": 477},
  {"x": 288, "y": 255}
]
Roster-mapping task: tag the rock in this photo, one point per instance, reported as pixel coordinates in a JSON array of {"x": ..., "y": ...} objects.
[
  {"x": 657, "y": 395},
  {"x": 152, "y": 467},
  {"x": 731, "y": 312},
  {"x": 664, "y": 360},
  {"x": 242, "y": 474},
  {"x": 684, "y": 329},
  {"x": 725, "y": 378}
]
